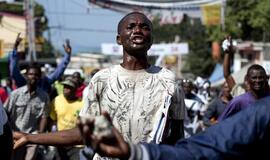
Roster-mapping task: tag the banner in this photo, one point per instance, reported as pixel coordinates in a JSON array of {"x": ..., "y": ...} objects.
[
  {"x": 168, "y": 11},
  {"x": 211, "y": 14}
]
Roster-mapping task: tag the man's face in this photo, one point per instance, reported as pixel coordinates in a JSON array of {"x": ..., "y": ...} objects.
[
  {"x": 135, "y": 34},
  {"x": 257, "y": 80},
  {"x": 33, "y": 76},
  {"x": 69, "y": 92},
  {"x": 77, "y": 77},
  {"x": 187, "y": 87},
  {"x": 226, "y": 90}
]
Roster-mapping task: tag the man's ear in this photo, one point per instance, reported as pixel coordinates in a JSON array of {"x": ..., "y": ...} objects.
[{"x": 118, "y": 39}]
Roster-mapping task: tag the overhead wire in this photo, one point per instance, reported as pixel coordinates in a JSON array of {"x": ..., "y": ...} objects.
[{"x": 82, "y": 29}]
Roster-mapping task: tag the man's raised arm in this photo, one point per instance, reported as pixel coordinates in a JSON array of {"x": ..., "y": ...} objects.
[
  {"x": 226, "y": 64},
  {"x": 13, "y": 64},
  {"x": 63, "y": 65}
]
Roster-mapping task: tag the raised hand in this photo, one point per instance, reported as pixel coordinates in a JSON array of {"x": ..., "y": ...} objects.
[
  {"x": 67, "y": 47},
  {"x": 17, "y": 41},
  {"x": 228, "y": 45}
]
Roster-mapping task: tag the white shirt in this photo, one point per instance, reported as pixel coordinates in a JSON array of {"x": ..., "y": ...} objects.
[{"x": 134, "y": 99}]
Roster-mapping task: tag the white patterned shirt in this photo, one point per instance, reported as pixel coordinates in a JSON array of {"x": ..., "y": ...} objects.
[{"x": 134, "y": 99}]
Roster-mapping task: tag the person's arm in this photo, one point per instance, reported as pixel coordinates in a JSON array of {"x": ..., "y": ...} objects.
[
  {"x": 6, "y": 142},
  {"x": 61, "y": 138},
  {"x": 210, "y": 113},
  {"x": 8, "y": 105},
  {"x": 43, "y": 124},
  {"x": 62, "y": 66},
  {"x": 177, "y": 131},
  {"x": 241, "y": 136},
  {"x": 13, "y": 64},
  {"x": 227, "y": 67},
  {"x": 177, "y": 114}
]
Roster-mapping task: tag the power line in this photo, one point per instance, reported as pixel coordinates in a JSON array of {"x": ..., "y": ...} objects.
[
  {"x": 77, "y": 13},
  {"x": 82, "y": 29}
]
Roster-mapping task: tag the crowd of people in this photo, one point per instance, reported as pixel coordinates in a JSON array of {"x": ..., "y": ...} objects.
[{"x": 149, "y": 113}]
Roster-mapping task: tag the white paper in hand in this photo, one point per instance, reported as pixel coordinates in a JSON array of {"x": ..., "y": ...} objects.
[{"x": 226, "y": 44}]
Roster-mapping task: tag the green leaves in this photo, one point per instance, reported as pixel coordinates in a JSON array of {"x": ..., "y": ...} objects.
[{"x": 248, "y": 20}]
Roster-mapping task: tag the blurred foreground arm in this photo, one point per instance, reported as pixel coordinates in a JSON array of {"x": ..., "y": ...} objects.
[
  {"x": 62, "y": 138},
  {"x": 245, "y": 135}
]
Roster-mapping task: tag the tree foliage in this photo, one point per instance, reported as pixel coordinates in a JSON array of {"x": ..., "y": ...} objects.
[
  {"x": 199, "y": 60},
  {"x": 244, "y": 19}
]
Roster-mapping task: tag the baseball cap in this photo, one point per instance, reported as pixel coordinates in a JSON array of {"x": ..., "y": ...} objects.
[{"x": 69, "y": 82}]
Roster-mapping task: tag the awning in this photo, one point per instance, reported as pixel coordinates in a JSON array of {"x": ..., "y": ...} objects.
[{"x": 217, "y": 74}]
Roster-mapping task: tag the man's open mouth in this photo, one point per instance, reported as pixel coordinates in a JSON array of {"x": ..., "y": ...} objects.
[{"x": 137, "y": 39}]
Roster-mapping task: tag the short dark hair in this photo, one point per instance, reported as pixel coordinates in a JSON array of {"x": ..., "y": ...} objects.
[
  {"x": 255, "y": 67},
  {"x": 131, "y": 13},
  {"x": 33, "y": 66}
]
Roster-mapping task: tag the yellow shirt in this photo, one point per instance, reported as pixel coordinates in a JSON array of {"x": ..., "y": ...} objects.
[{"x": 65, "y": 113}]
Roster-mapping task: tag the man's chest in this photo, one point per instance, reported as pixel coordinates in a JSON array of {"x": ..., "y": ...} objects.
[{"x": 29, "y": 104}]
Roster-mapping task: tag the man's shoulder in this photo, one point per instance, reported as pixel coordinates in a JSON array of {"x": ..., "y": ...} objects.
[
  {"x": 164, "y": 73},
  {"x": 243, "y": 97},
  {"x": 242, "y": 100},
  {"x": 19, "y": 90},
  {"x": 104, "y": 74},
  {"x": 59, "y": 99},
  {"x": 42, "y": 91}
]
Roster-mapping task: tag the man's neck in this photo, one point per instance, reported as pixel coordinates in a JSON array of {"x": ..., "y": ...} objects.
[
  {"x": 31, "y": 89},
  {"x": 258, "y": 95},
  {"x": 71, "y": 99},
  {"x": 134, "y": 63}
]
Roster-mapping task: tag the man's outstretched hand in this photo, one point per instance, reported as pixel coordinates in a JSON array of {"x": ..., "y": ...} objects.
[
  {"x": 19, "y": 140},
  {"x": 112, "y": 146},
  {"x": 67, "y": 47},
  {"x": 17, "y": 41}
]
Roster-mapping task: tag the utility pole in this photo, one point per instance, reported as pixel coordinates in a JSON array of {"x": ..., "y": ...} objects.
[
  {"x": 30, "y": 30},
  {"x": 223, "y": 9}
]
